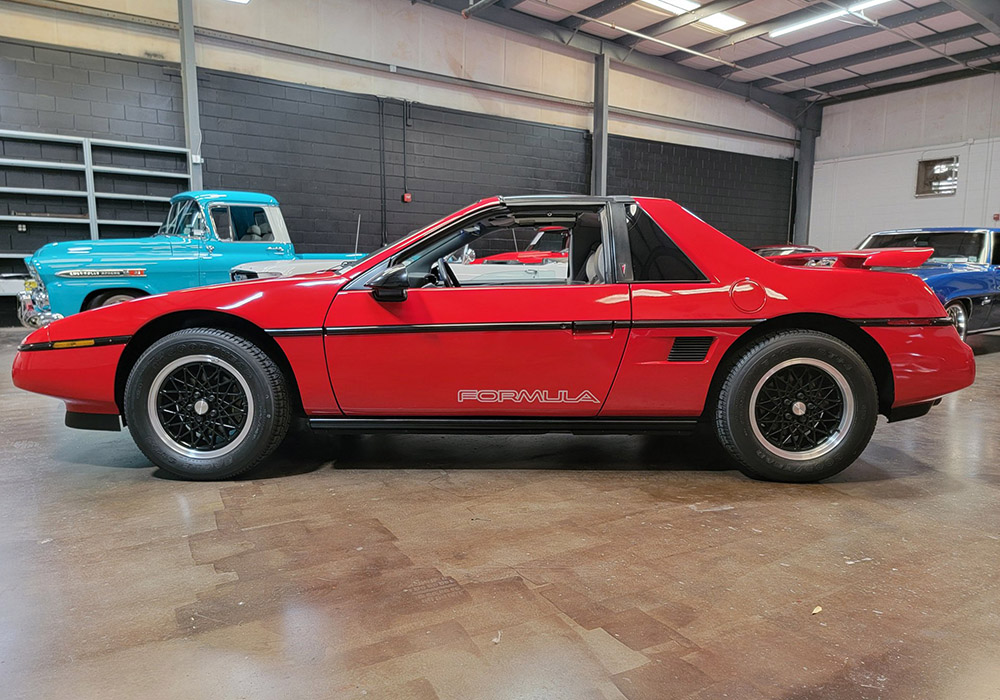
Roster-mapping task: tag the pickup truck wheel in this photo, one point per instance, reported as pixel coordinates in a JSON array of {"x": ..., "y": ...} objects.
[
  {"x": 111, "y": 298},
  {"x": 203, "y": 403},
  {"x": 798, "y": 406}
]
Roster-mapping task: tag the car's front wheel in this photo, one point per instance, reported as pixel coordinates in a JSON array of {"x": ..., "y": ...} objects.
[
  {"x": 797, "y": 406},
  {"x": 203, "y": 403}
]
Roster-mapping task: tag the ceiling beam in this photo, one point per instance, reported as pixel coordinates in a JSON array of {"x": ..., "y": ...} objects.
[
  {"x": 986, "y": 12},
  {"x": 684, "y": 20},
  {"x": 901, "y": 71},
  {"x": 874, "y": 54},
  {"x": 755, "y": 30},
  {"x": 821, "y": 42},
  {"x": 912, "y": 84},
  {"x": 790, "y": 109},
  {"x": 477, "y": 7},
  {"x": 599, "y": 10}
]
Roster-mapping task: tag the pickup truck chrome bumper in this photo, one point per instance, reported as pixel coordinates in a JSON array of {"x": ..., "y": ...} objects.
[{"x": 33, "y": 307}]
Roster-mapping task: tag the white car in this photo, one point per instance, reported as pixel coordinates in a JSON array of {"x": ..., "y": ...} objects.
[
  {"x": 467, "y": 273},
  {"x": 281, "y": 268}
]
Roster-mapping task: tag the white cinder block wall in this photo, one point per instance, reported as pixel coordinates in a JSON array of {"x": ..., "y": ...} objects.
[{"x": 867, "y": 154}]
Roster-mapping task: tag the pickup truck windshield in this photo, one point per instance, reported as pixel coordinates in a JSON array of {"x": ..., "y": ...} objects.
[
  {"x": 183, "y": 219},
  {"x": 949, "y": 246}
]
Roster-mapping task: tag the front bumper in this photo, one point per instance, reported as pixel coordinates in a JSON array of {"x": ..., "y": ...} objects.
[{"x": 33, "y": 310}]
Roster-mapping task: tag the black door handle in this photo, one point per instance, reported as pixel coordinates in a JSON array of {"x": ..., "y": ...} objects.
[{"x": 593, "y": 326}]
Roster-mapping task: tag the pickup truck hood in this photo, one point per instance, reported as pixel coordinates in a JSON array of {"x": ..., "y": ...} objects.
[{"x": 88, "y": 253}]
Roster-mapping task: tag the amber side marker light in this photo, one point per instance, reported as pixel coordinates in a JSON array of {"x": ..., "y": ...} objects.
[{"x": 62, "y": 344}]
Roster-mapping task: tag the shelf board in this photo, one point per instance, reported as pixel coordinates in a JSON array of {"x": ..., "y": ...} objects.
[
  {"x": 48, "y": 219},
  {"x": 136, "y": 172},
  {"x": 133, "y": 197},
  {"x": 119, "y": 222},
  {"x": 42, "y": 192},
  {"x": 41, "y": 164}
]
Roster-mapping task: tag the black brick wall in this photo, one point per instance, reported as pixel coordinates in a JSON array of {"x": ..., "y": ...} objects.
[
  {"x": 319, "y": 153},
  {"x": 80, "y": 94},
  {"x": 746, "y": 197}
]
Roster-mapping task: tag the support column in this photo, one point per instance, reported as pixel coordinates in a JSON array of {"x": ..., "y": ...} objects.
[
  {"x": 808, "y": 132},
  {"x": 599, "y": 150},
  {"x": 189, "y": 81}
]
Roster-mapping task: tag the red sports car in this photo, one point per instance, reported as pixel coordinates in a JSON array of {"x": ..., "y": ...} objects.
[
  {"x": 657, "y": 323},
  {"x": 550, "y": 243}
]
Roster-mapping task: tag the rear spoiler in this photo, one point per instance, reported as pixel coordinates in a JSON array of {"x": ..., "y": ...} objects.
[{"x": 858, "y": 259}]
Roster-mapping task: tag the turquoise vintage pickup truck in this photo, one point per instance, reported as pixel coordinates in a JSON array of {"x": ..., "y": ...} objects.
[{"x": 205, "y": 234}]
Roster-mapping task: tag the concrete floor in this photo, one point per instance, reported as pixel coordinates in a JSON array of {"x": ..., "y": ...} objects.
[{"x": 507, "y": 568}]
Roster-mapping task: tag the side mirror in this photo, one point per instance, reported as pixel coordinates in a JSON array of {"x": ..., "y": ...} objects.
[{"x": 391, "y": 285}]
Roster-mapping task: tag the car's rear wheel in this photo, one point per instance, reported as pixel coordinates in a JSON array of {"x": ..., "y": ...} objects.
[
  {"x": 111, "y": 298},
  {"x": 959, "y": 316},
  {"x": 206, "y": 404},
  {"x": 797, "y": 406}
]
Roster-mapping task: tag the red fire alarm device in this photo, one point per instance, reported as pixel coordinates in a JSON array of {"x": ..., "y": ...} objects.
[
  {"x": 406, "y": 198},
  {"x": 996, "y": 217}
]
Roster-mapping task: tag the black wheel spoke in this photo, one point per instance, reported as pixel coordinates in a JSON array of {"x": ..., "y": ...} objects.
[
  {"x": 799, "y": 408},
  {"x": 202, "y": 406}
]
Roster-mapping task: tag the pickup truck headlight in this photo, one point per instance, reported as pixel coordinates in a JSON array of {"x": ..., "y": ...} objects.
[{"x": 33, "y": 272}]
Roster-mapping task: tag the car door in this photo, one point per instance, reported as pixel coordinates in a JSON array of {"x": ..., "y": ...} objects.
[
  {"x": 242, "y": 233},
  {"x": 512, "y": 344},
  {"x": 676, "y": 339},
  {"x": 994, "y": 318}
]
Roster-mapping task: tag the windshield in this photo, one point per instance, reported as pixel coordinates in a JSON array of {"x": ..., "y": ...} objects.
[
  {"x": 348, "y": 264},
  {"x": 183, "y": 219},
  {"x": 553, "y": 240},
  {"x": 949, "y": 246}
]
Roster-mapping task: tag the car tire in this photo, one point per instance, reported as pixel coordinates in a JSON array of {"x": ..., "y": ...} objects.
[
  {"x": 959, "y": 316},
  {"x": 205, "y": 404},
  {"x": 110, "y": 299},
  {"x": 797, "y": 406}
]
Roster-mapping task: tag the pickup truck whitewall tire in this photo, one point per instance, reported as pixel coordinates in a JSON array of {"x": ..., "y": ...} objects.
[
  {"x": 203, "y": 403},
  {"x": 116, "y": 296}
]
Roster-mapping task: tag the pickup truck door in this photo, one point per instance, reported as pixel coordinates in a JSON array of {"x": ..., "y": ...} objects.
[
  {"x": 492, "y": 348},
  {"x": 241, "y": 233}
]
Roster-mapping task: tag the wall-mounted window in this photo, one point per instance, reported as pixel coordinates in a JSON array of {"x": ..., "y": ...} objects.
[{"x": 937, "y": 177}]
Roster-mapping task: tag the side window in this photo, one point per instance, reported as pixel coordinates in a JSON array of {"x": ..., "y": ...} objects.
[
  {"x": 656, "y": 258},
  {"x": 249, "y": 224},
  {"x": 996, "y": 247},
  {"x": 522, "y": 247},
  {"x": 223, "y": 225}
]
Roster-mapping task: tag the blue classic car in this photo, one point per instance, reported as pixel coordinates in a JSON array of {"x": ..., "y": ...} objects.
[
  {"x": 964, "y": 271},
  {"x": 204, "y": 235}
]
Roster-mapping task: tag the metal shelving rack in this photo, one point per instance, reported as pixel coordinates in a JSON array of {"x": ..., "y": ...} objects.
[{"x": 89, "y": 170}]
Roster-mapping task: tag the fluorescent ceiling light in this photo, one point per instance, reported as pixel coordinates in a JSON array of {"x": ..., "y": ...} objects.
[
  {"x": 720, "y": 20},
  {"x": 240, "y": 2},
  {"x": 857, "y": 7}
]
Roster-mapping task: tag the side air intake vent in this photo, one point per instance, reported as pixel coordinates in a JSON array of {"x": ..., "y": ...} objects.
[{"x": 690, "y": 348}]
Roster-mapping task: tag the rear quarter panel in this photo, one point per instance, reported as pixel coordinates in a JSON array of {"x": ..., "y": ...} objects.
[{"x": 743, "y": 290}]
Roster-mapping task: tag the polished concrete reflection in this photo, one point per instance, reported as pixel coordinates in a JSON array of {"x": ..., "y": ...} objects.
[{"x": 507, "y": 568}]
